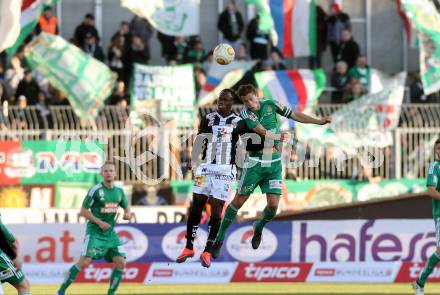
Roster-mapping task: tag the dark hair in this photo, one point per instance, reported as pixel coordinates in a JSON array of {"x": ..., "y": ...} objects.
[
  {"x": 228, "y": 91},
  {"x": 47, "y": 7},
  {"x": 90, "y": 16},
  {"x": 437, "y": 142},
  {"x": 245, "y": 89}
]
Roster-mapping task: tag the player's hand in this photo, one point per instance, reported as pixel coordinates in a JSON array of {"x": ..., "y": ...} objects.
[
  {"x": 325, "y": 120},
  {"x": 127, "y": 216},
  {"x": 17, "y": 263},
  {"x": 104, "y": 225},
  {"x": 285, "y": 136}
]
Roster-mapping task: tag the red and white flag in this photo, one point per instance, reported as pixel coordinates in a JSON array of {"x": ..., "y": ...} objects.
[{"x": 10, "y": 11}]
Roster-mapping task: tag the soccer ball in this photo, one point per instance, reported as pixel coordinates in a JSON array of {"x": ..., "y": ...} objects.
[{"x": 224, "y": 54}]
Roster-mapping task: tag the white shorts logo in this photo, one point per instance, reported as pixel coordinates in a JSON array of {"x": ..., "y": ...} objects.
[{"x": 275, "y": 184}]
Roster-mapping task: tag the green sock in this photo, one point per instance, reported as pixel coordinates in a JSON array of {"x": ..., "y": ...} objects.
[
  {"x": 115, "y": 279},
  {"x": 429, "y": 267},
  {"x": 25, "y": 293},
  {"x": 70, "y": 277},
  {"x": 228, "y": 219},
  {"x": 268, "y": 215}
]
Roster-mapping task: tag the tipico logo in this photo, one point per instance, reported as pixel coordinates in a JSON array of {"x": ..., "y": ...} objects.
[
  {"x": 134, "y": 242},
  {"x": 239, "y": 245},
  {"x": 174, "y": 242}
]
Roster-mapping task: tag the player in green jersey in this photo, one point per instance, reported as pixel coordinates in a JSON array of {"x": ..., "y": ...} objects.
[
  {"x": 10, "y": 266},
  {"x": 100, "y": 207},
  {"x": 433, "y": 184},
  {"x": 262, "y": 168}
]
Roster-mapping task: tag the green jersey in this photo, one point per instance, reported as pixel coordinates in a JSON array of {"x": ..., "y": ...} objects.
[
  {"x": 433, "y": 180},
  {"x": 104, "y": 204},
  {"x": 266, "y": 116}
]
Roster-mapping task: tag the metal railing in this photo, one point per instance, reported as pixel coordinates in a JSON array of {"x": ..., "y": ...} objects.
[
  {"x": 163, "y": 153},
  {"x": 114, "y": 118}
]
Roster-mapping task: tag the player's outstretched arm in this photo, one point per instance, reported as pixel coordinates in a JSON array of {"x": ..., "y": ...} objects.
[
  {"x": 260, "y": 130},
  {"x": 87, "y": 214},
  {"x": 303, "y": 118},
  {"x": 433, "y": 193}
]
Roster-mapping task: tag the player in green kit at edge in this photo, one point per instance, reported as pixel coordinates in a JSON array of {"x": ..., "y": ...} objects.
[
  {"x": 262, "y": 168},
  {"x": 101, "y": 241},
  {"x": 433, "y": 185},
  {"x": 10, "y": 266}
]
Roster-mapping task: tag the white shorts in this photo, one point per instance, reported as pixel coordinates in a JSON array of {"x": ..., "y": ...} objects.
[{"x": 215, "y": 180}]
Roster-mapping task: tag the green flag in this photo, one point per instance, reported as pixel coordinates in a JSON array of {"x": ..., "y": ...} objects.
[
  {"x": 86, "y": 81},
  {"x": 426, "y": 21}
]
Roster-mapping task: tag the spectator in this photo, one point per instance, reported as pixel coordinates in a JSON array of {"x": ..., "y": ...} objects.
[
  {"x": 337, "y": 22},
  {"x": 118, "y": 94},
  {"x": 259, "y": 40},
  {"x": 354, "y": 91},
  {"x": 122, "y": 111},
  {"x": 15, "y": 73},
  {"x": 361, "y": 71},
  {"x": 277, "y": 61},
  {"x": 321, "y": 37},
  {"x": 124, "y": 31},
  {"x": 28, "y": 88},
  {"x": 196, "y": 54},
  {"x": 85, "y": 28},
  {"x": 230, "y": 23},
  {"x": 117, "y": 58},
  {"x": 3, "y": 96},
  {"x": 42, "y": 107},
  {"x": 141, "y": 27},
  {"x": 339, "y": 81},
  {"x": 208, "y": 62},
  {"x": 91, "y": 48},
  {"x": 242, "y": 54},
  {"x": 20, "y": 116},
  {"x": 139, "y": 52},
  {"x": 349, "y": 49},
  {"x": 266, "y": 65},
  {"x": 200, "y": 77},
  {"x": 167, "y": 43},
  {"x": 179, "y": 50},
  {"x": 47, "y": 22},
  {"x": 417, "y": 93}
]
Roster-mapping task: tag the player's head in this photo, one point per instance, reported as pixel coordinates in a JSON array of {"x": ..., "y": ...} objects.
[
  {"x": 437, "y": 149},
  {"x": 248, "y": 95},
  {"x": 108, "y": 171},
  {"x": 225, "y": 100}
]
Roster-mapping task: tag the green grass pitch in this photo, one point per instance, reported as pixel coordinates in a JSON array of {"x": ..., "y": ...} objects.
[{"x": 234, "y": 288}]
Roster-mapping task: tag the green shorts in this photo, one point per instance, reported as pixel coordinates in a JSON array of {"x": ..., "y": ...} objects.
[
  {"x": 8, "y": 272},
  {"x": 264, "y": 173},
  {"x": 98, "y": 246}
]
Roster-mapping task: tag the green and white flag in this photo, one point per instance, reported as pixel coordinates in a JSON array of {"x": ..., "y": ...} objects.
[
  {"x": 86, "y": 81},
  {"x": 175, "y": 18},
  {"x": 365, "y": 122},
  {"x": 173, "y": 86},
  {"x": 426, "y": 21}
]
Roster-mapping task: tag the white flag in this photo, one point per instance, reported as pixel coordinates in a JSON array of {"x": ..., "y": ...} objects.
[
  {"x": 10, "y": 11},
  {"x": 175, "y": 18}
]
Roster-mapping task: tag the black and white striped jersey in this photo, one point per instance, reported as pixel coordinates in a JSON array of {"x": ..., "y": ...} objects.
[{"x": 221, "y": 137}]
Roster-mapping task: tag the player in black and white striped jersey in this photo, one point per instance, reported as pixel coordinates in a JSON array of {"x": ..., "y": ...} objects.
[{"x": 214, "y": 178}]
